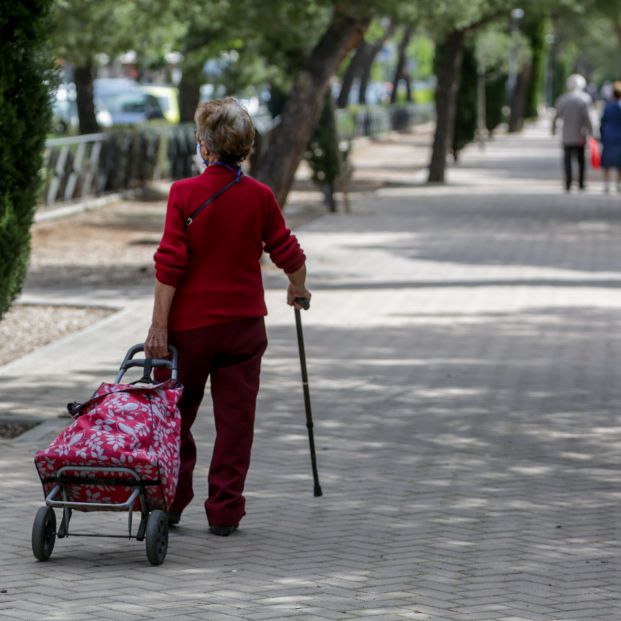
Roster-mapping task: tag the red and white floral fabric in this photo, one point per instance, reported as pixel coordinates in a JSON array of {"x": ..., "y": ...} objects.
[{"x": 135, "y": 427}]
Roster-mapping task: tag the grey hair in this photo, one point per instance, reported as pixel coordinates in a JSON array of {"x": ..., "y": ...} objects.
[
  {"x": 225, "y": 128},
  {"x": 576, "y": 82}
]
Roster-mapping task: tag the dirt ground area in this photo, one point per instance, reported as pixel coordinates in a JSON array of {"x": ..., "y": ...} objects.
[
  {"x": 26, "y": 326},
  {"x": 109, "y": 247}
]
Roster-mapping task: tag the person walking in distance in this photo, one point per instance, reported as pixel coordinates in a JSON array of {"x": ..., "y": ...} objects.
[
  {"x": 610, "y": 133},
  {"x": 209, "y": 301},
  {"x": 574, "y": 109}
]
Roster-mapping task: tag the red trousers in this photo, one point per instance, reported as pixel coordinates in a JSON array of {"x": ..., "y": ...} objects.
[{"x": 231, "y": 354}]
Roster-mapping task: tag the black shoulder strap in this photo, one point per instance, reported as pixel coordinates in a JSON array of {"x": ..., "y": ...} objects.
[{"x": 213, "y": 197}]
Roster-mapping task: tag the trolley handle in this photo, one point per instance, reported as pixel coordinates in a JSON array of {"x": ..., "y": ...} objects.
[{"x": 148, "y": 363}]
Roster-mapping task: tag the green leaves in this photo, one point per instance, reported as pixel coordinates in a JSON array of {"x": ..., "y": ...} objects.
[
  {"x": 494, "y": 44},
  {"x": 85, "y": 28}
]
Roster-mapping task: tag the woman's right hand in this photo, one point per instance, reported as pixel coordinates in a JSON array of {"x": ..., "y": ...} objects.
[
  {"x": 294, "y": 293},
  {"x": 156, "y": 343},
  {"x": 297, "y": 287}
]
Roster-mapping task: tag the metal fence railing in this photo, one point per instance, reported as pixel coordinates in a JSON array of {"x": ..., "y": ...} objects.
[{"x": 96, "y": 164}]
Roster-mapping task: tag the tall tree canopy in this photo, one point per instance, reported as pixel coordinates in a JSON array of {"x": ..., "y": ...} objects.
[
  {"x": 83, "y": 29},
  {"x": 294, "y": 47}
]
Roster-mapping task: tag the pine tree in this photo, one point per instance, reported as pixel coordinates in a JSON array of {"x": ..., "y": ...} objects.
[{"x": 323, "y": 155}]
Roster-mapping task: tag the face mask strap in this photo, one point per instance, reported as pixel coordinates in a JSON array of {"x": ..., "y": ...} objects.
[{"x": 199, "y": 153}]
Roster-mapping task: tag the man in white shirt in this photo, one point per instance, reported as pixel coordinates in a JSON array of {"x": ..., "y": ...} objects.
[{"x": 574, "y": 108}]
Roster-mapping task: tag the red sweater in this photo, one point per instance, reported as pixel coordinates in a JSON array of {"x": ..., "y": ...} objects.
[{"x": 215, "y": 262}]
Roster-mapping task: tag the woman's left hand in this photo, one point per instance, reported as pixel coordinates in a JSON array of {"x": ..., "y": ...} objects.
[{"x": 156, "y": 344}]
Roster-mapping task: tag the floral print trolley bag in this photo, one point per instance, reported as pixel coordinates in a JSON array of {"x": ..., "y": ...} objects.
[{"x": 119, "y": 453}]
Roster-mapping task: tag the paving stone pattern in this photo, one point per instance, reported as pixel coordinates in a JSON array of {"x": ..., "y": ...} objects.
[{"x": 463, "y": 357}]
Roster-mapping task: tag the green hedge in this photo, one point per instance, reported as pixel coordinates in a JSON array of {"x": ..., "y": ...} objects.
[
  {"x": 323, "y": 154},
  {"x": 26, "y": 77}
]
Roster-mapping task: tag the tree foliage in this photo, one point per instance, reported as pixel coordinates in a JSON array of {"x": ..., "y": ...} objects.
[
  {"x": 85, "y": 28},
  {"x": 589, "y": 45},
  {"x": 26, "y": 75}
]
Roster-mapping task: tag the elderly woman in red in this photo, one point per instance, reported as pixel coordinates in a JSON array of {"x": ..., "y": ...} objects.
[{"x": 209, "y": 301}]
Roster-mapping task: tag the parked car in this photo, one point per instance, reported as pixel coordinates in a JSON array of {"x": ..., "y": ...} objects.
[
  {"x": 119, "y": 101},
  {"x": 168, "y": 99}
]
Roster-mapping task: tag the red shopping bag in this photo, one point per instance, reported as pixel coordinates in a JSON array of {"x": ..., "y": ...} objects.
[
  {"x": 121, "y": 425},
  {"x": 596, "y": 156}
]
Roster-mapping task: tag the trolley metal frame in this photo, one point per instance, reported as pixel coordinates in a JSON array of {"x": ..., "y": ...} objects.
[
  {"x": 153, "y": 523},
  {"x": 66, "y": 505}
]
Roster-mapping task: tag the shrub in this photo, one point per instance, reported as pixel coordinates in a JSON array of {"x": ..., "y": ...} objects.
[
  {"x": 325, "y": 156},
  {"x": 26, "y": 78}
]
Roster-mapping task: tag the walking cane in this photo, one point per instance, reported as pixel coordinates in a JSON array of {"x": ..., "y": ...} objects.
[{"x": 305, "y": 304}]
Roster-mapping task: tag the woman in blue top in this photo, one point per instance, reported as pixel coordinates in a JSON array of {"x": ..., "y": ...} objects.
[{"x": 610, "y": 132}]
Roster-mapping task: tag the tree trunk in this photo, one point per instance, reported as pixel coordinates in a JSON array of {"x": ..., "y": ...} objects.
[
  {"x": 617, "y": 29},
  {"x": 368, "y": 60},
  {"x": 446, "y": 97},
  {"x": 189, "y": 94},
  {"x": 192, "y": 76},
  {"x": 353, "y": 71},
  {"x": 518, "y": 99},
  {"x": 535, "y": 30},
  {"x": 408, "y": 87},
  {"x": 328, "y": 196},
  {"x": 400, "y": 73},
  {"x": 481, "y": 112},
  {"x": 290, "y": 138},
  {"x": 365, "y": 77},
  {"x": 83, "y": 78}
]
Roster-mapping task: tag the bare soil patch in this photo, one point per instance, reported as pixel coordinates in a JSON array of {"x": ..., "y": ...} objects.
[
  {"x": 27, "y": 327},
  {"x": 12, "y": 429},
  {"x": 109, "y": 247}
]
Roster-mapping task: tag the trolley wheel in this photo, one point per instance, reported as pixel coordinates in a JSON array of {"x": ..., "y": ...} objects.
[
  {"x": 44, "y": 533},
  {"x": 157, "y": 537}
]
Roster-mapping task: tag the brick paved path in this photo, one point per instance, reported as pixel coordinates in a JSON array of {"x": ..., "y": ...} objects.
[{"x": 462, "y": 348}]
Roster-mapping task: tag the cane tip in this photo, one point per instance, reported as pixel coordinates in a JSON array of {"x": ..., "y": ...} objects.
[{"x": 318, "y": 492}]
